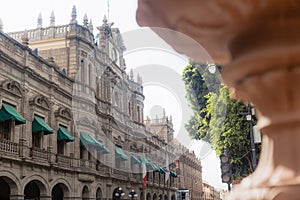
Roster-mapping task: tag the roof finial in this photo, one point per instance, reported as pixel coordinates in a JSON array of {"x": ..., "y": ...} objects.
[
  {"x": 164, "y": 113},
  {"x": 25, "y": 38},
  {"x": 85, "y": 21},
  {"x": 131, "y": 74},
  {"x": 91, "y": 28},
  {"x": 74, "y": 15},
  {"x": 139, "y": 79},
  {"x": 1, "y": 25},
  {"x": 40, "y": 21},
  {"x": 52, "y": 19},
  {"x": 104, "y": 19}
]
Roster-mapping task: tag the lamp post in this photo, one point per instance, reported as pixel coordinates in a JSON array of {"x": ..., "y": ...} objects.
[
  {"x": 249, "y": 119},
  {"x": 119, "y": 193},
  {"x": 132, "y": 194}
]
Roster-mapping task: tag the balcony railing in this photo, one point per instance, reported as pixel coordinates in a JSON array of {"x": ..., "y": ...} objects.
[
  {"x": 121, "y": 174},
  {"x": 86, "y": 164},
  {"x": 63, "y": 160},
  {"x": 40, "y": 154},
  {"x": 9, "y": 147}
]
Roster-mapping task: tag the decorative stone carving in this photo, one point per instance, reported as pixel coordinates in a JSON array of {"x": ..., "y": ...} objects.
[
  {"x": 12, "y": 87},
  {"x": 41, "y": 101},
  {"x": 85, "y": 121},
  {"x": 64, "y": 113},
  {"x": 259, "y": 43}
]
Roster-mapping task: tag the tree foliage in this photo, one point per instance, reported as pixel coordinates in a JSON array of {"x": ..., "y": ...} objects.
[{"x": 218, "y": 119}]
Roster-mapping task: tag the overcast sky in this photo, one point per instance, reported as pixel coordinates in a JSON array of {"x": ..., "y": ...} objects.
[{"x": 20, "y": 15}]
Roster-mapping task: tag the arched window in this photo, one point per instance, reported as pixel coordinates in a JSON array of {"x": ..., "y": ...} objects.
[
  {"x": 138, "y": 114},
  {"x": 82, "y": 71},
  {"x": 91, "y": 75}
]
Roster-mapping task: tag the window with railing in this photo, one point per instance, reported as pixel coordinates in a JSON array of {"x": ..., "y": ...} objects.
[
  {"x": 61, "y": 147},
  {"x": 5, "y": 127},
  {"x": 61, "y": 142},
  {"x": 37, "y": 139}
]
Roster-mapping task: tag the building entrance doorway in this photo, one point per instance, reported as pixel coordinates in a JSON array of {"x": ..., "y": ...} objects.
[
  {"x": 32, "y": 191},
  {"x": 57, "y": 193},
  {"x": 5, "y": 190}
]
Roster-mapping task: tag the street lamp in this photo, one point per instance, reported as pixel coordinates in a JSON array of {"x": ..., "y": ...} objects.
[
  {"x": 250, "y": 112},
  {"x": 212, "y": 68},
  {"x": 119, "y": 193},
  {"x": 132, "y": 194}
]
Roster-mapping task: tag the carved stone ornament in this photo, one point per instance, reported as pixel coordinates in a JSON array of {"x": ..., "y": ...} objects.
[
  {"x": 41, "y": 101},
  {"x": 86, "y": 122},
  {"x": 12, "y": 87},
  {"x": 64, "y": 113},
  {"x": 258, "y": 44}
]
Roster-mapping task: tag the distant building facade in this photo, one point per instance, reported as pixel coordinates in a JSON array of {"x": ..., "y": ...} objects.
[
  {"x": 71, "y": 123},
  {"x": 187, "y": 166},
  {"x": 210, "y": 193}
]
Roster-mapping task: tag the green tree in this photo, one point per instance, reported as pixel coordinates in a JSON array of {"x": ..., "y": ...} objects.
[{"x": 218, "y": 118}]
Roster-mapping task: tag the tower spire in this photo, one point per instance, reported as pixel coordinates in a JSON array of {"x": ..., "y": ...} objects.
[
  {"x": 40, "y": 21},
  {"x": 104, "y": 19},
  {"x": 131, "y": 74},
  {"x": 52, "y": 19},
  {"x": 74, "y": 15},
  {"x": 1, "y": 25},
  {"x": 85, "y": 21},
  {"x": 91, "y": 28}
]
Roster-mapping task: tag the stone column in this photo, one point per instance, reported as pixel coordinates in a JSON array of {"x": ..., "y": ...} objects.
[{"x": 259, "y": 45}]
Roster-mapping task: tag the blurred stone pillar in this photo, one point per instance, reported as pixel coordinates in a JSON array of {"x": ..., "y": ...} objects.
[{"x": 258, "y": 44}]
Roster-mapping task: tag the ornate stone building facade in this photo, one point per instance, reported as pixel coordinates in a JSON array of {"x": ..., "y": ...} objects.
[
  {"x": 189, "y": 172},
  {"x": 71, "y": 122},
  {"x": 185, "y": 164},
  {"x": 210, "y": 193}
]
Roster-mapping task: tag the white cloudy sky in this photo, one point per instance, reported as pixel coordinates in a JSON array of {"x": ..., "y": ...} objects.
[{"x": 20, "y": 15}]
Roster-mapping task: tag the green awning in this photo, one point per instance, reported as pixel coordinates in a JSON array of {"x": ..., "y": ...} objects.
[
  {"x": 155, "y": 168},
  {"x": 97, "y": 143},
  {"x": 9, "y": 113},
  {"x": 173, "y": 174},
  {"x": 162, "y": 171},
  {"x": 64, "y": 134},
  {"x": 134, "y": 160},
  {"x": 104, "y": 150},
  {"x": 39, "y": 125},
  {"x": 120, "y": 154},
  {"x": 87, "y": 140},
  {"x": 144, "y": 160}
]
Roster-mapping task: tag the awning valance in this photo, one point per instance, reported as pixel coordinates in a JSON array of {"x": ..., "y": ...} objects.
[
  {"x": 104, "y": 150},
  {"x": 134, "y": 160},
  {"x": 144, "y": 160},
  {"x": 9, "y": 113},
  {"x": 162, "y": 171},
  {"x": 120, "y": 154},
  {"x": 39, "y": 125},
  {"x": 173, "y": 174},
  {"x": 87, "y": 140},
  {"x": 155, "y": 168},
  {"x": 64, "y": 134}
]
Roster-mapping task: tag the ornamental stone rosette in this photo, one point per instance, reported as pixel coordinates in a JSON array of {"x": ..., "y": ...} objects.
[{"x": 258, "y": 44}]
